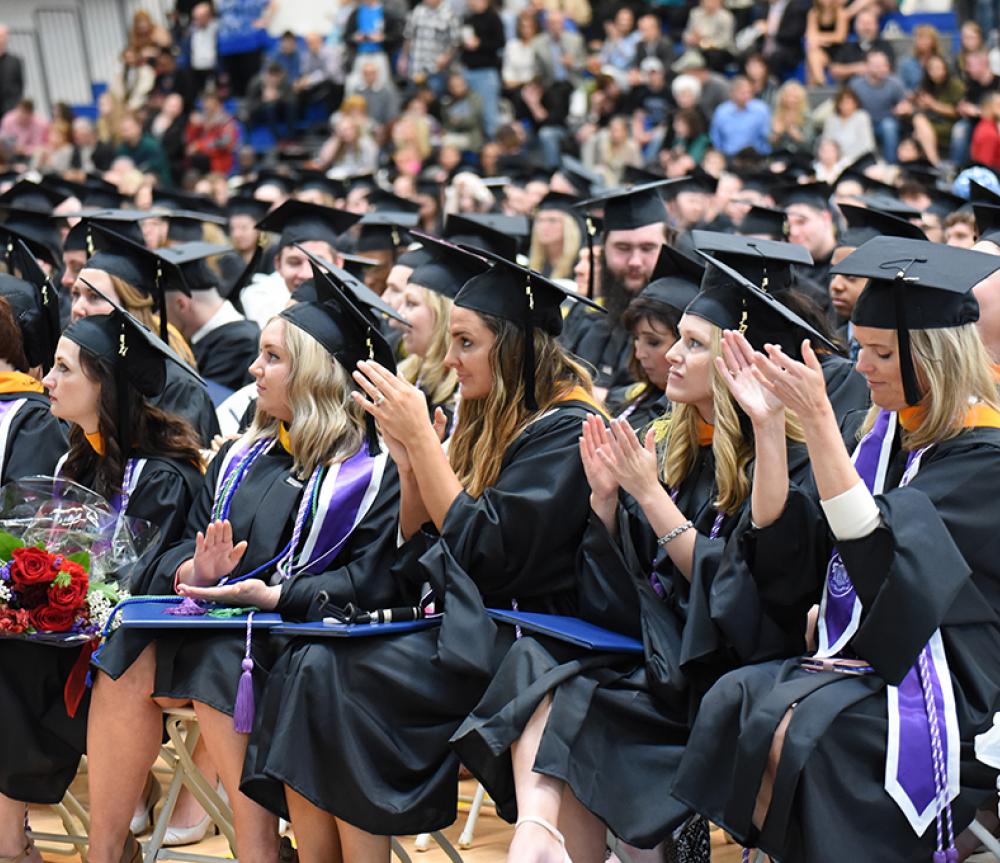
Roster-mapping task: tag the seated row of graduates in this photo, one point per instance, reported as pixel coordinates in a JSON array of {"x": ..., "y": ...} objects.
[{"x": 340, "y": 493}]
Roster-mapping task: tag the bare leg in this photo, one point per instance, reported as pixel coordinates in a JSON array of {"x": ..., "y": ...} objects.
[
  {"x": 586, "y": 835},
  {"x": 967, "y": 842},
  {"x": 767, "y": 780},
  {"x": 124, "y": 730},
  {"x": 188, "y": 812},
  {"x": 256, "y": 828},
  {"x": 12, "y": 838},
  {"x": 925, "y": 135},
  {"x": 316, "y": 835},
  {"x": 360, "y": 847},
  {"x": 815, "y": 66}
]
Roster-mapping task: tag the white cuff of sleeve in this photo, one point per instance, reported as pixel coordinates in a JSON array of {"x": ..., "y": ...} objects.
[
  {"x": 400, "y": 539},
  {"x": 853, "y": 514}
]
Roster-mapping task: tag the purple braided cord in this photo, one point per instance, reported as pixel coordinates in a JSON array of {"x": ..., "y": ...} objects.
[
  {"x": 937, "y": 751},
  {"x": 285, "y": 566},
  {"x": 246, "y": 655}
]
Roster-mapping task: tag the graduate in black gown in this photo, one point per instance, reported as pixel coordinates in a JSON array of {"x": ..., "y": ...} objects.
[
  {"x": 773, "y": 266},
  {"x": 126, "y": 273},
  {"x": 304, "y": 503},
  {"x": 497, "y": 520},
  {"x": 147, "y": 464},
  {"x": 863, "y": 749},
  {"x": 223, "y": 341},
  {"x": 652, "y": 319},
  {"x": 426, "y": 305},
  {"x": 571, "y": 744},
  {"x": 31, "y": 439},
  {"x": 634, "y": 229}
]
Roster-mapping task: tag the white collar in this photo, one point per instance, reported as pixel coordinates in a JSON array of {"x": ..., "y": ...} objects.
[{"x": 225, "y": 314}]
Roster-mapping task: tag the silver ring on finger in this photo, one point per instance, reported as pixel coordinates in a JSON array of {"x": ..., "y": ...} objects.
[{"x": 379, "y": 399}]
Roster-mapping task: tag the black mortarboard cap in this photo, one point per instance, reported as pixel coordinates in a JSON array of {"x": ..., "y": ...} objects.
[
  {"x": 766, "y": 263},
  {"x": 987, "y": 222},
  {"x": 284, "y": 180},
  {"x": 178, "y": 199},
  {"x": 190, "y": 260},
  {"x": 38, "y": 233},
  {"x": 35, "y": 303},
  {"x": 386, "y": 229},
  {"x": 627, "y": 209},
  {"x": 676, "y": 279},
  {"x": 560, "y": 201},
  {"x": 816, "y": 195},
  {"x": 636, "y": 176},
  {"x": 523, "y": 297},
  {"x": 922, "y": 171},
  {"x": 944, "y": 203},
  {"x": 449, "y": 266},
  {"x": 891, "y": 205},
  {"x": 355, "y": 264},
  {"x": 881, "y": 222},
  {"x": 697, "y": 181},
  {"x": 389, "y": 202},
  {"x": 29, "y": 197},
  {"x": 318, "y": 180},
  {"x": 980, "y": 194},
  {"x": 244, "y": 205},
  {"x": 414, "y": 257},
  {"x": 582, "y": 178},
  {"x": 731, "y": 301},
  {"x": 346, "y": 332},
  {"x": 93, "y": 192},
  {"x": 124, "y": 222},
  {"x": 765, "y": 220},
  {"x": 300, "y": 222},
  {"x": 915, "y": 285},
  {"x": 500, "y": 235}
]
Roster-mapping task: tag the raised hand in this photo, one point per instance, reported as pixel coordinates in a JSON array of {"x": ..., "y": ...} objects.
[
  {"x": 800, "y": 386},
  {"x": 603, "y": 484},
  {"x": 398, "y": 406},
  {"x": 215, "y": 556},
  {"x": 736, "y": 368},
  {"x": 631, "y": 463}
]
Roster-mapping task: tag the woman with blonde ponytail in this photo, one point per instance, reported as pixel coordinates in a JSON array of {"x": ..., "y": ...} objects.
[{"x": 661, "y": 562}]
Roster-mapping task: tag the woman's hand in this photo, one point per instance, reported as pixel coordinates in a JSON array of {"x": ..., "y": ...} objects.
[
  {"x": 399, "y": 407},
  {"x": 249, "y": 593},
  {"x": 800, "y": 386},
  {"x": 736, "y": 367},
  {"x": 632, "y": 464},
  {"x": 603, "y": 484},
  {"x": 215, "y": 556}
]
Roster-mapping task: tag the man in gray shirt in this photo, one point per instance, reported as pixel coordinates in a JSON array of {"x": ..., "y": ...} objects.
[{"x": 880, "y": 94}]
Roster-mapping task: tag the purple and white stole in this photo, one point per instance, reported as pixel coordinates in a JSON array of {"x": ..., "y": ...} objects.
[
  {"x": 8, "y": 410},
  {"x": 922, "y": 747},
  {"x": 346, "y": 494}
]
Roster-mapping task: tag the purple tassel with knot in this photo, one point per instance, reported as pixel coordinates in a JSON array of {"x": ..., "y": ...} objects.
[{"x": 243, "y": 711}]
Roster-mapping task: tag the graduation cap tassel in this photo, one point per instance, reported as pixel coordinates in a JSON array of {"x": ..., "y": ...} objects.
[
  {"x": 164, "y": 333},
  {"x": 371, "y": 436},
  {"x": 911, "y": 389},
  {"x": 591, "y": 230},
  {"x": 530, "y": 401},
  {"x": 244, "y": 709}
]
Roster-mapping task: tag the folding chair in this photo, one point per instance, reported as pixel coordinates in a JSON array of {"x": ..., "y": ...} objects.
[
  {"x": 183, "y": 731},
  {"x": 76, "y": 823},
  {"x": 423, "y": 841},
  {"x": 437, "y": 837}
]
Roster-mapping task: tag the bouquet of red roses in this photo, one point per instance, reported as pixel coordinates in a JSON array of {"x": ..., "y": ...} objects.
[{"x": 65, "y": 556}]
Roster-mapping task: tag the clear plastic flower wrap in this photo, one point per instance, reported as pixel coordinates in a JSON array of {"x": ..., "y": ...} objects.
[{"x": 67, "y": 557}]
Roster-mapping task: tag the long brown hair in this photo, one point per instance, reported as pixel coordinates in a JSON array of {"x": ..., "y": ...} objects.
[
  {"x": 154, "y": 433},
  {"x": 11, "y": 341},
  {"x": 140, "y": 306},
  {"x": 487, "y": 427}
]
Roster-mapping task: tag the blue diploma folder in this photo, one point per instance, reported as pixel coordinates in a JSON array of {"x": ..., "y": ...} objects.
[
  {"x": 355, "y": 630},
  {"x": 569, "y": 629},
  {"x": 153, "y": 615}
]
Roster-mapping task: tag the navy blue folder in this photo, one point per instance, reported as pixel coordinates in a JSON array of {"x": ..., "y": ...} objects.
[
  {"x": 52, "y": 639},
  {"x": 355, "y": 630},
  {"x": 153, "y": 615},
  {"x": 569, "y": 629}
]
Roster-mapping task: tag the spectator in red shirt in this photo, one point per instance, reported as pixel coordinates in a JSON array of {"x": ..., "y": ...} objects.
[
  {"x": 985, "y": 147},
  {"x": 212, "y": 137}
]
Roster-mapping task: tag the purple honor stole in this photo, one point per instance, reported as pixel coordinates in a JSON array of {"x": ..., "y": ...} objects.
[{"x": 922, "y": 746}]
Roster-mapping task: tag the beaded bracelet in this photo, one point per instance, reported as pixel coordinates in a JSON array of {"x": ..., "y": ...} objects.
[{"x": 676, "y": 532}]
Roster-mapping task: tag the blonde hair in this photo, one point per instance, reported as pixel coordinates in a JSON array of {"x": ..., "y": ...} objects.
[
  {"x": 488, "y": 426},
  {"x": 572, "y": 238},
  {"x": 327, "y": 425},
  {"x": 954, "y": 368},
  {"x": 732, "y": 447},
  {"x": 791, "y": 116},
  {"x": 140, "y": 306},
  {"x": 429, "y": 371}
]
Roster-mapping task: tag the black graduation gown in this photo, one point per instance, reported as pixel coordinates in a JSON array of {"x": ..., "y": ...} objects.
[
  {"x": 224, "y": 355},
  {"x": 382, "y": 709},
  {"x": 189, "y": 400},
  {"x": 642, "y": 409},
  {"x": 205, "y": 666},
  {"x": 35, "y": 440},
  {"x": 618, "y": 726},
  {"x": 933, "y": 563},
  {"x": 606, "y": 347},
  {"x": 819, "y": 274},
  {"x": 846, "y": 389},
  {"x": 41, "y": 745}
]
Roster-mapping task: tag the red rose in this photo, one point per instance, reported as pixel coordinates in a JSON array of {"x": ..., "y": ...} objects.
[
  {"x": 71, "y": 595},
  {"x": 31, "y": 566},
  {"x": 13, "y": 621},
  {"x": 52, "y": 618}
]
